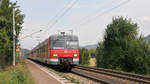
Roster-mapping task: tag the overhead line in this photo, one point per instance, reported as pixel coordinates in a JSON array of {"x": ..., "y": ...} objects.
[
  {"x": 94, "y": 12},
  {"x": 61, "y": 10},
  {"x": 30, "y": 34},
  {"x": 63, "y": 14},
  {"x": 101, "y": 14},
  {"x": 119, "y": 5}
]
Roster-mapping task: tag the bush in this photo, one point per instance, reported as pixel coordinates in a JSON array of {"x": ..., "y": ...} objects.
[
  {"x": 6, "y": 31},
  {"x": 84, "y": 56},
  {"x": 122, "y": 49},
  {"x": 16, "y": 75}
]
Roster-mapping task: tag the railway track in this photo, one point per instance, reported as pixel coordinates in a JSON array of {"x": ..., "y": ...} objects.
[{"x": 108, "y": 76}]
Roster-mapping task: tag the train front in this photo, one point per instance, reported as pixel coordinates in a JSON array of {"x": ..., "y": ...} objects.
[{"x": 64, "y": 50}]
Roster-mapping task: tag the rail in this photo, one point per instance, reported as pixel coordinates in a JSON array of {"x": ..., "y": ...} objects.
[{"x": 114, "y": 73}]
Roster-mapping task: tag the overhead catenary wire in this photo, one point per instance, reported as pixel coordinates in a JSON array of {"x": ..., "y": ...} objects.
[
  {"x": 101, "y": 14},
  {"x": 63, "y": 14},
  {"x": 59, "y": 12},
  {"x": 30, "y": 35},
  {"x": 54, "y": 19},
  {"x": 95, "y": 12},
  {"x": 57, "y": 15},
  {"x": 87, "y": 16}
]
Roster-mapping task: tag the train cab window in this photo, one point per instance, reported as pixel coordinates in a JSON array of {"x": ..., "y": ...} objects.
[
  {"x": 57, "y": 45},
  {"x": 72, "y": 45}
]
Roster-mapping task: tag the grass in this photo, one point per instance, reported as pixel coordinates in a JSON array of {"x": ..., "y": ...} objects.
[
  {"x": 16, "y": 75},
  {"x": 65, "y": 76}
]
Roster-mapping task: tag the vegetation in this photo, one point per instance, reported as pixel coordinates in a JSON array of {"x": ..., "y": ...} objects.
[
  {"x": 147, "y": 39},
  {"x": 6, "y": 31},
  {"x": 84, "y": 56},
  {"x": 64, "y": 75},
  {"x": 92, "y": 52},
  {"x": 16, "y": 75},
  {"x": 122, "y": 49}
]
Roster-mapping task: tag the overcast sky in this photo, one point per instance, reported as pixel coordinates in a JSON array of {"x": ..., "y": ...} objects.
[{"x": 88, "y": 18}]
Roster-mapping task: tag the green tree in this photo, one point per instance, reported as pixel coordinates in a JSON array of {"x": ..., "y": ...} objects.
[
  {"x": 4, "y": 45},
  {"x": 92, "y": 53},
  {"x": 100, "y": 55},
  {"x": 122, "y": 49},
  {"x": 84, "y": 56},
  {"x": 6, "y": 30}
]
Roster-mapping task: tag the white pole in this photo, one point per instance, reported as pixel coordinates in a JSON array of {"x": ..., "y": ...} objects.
[
  {"x": 14, "y": 34},
  {"x": 1, "y": 2}
]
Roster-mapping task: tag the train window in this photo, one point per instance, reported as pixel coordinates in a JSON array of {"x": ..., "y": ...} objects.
[
  {"x": 72, "y": 44},
  {"x": 57, "y": 45}
]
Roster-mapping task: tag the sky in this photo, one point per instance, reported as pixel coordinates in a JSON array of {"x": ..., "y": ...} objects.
[{"x": 87, "y": 18}]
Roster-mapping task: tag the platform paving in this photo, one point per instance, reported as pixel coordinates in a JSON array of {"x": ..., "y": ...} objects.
[{"x": 40, "y": 76}]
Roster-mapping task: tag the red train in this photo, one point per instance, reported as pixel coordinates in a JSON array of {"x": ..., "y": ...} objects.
[{"x": 59, "y": 49}]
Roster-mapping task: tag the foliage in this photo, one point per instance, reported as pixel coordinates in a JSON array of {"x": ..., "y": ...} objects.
[
  {"x": 4, "y": 45},
  {"x": 16, "y": 75},
  {"x": 92, "y": 52},
  {"x": 6, "y": 31},
  {"x": 100, "y": 55},
  {"x": 122, "y": 49},
  {"x": 84, "y": 56},
  {"x": 147, "y": 39}
]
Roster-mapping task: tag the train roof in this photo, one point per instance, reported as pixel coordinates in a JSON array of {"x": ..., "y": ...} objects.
[
  {"x": 60, "y": 36},
  {"x": 40, "y": 44}
]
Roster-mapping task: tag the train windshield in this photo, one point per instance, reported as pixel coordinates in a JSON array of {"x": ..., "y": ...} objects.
[
  {"x": 58, "y": 45},
  {"x": 72, "y": 45}
]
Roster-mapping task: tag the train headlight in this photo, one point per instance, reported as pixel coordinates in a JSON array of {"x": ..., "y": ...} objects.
[
  {"x": 75, "y": 55},
  {"x": 55, "y": 55}
]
